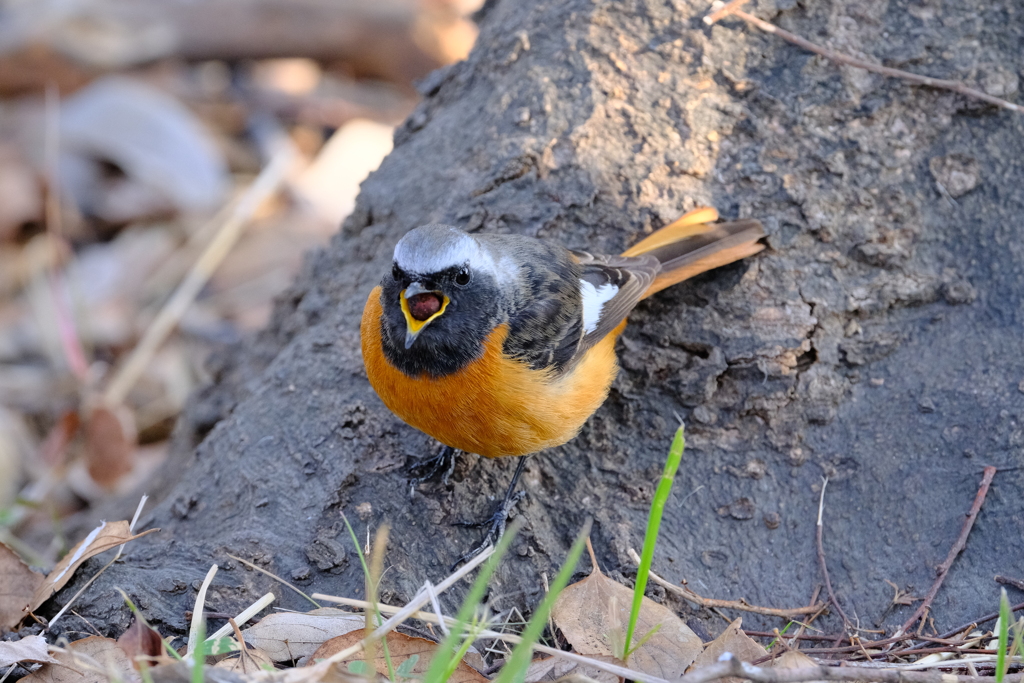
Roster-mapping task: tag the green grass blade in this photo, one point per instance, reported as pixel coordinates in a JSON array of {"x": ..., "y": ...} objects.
[
  {"x": 1004, "y": 632},
  {"x": 372, "y": 598},
  {"x": 199, "y": 654},
  {"x": 675, "y": 456},
  {"x": 442, "y": 656},
  {"x": 456, "y": 659},
  {"x": 770, "y": 645},
  {"x": 514, "y": 670}
]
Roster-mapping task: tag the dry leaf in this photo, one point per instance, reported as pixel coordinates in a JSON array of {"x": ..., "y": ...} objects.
[
  {"x": 595, "y": 611},
  {"x": 286, "y": 635},
  {"x": 402, "y": 648},
  {"x": 733, "y": 640},
  {"x": 17, "y": 584},
  {"x": 556, "y": 668},
  {"x": 102, "y": 538},
  {"x": 168, "y": 159},
  {"x": 90, "y": 660},
  {"x": 324, "y": 672},
  {"x": 794, "y": 659},
  {"x": 141, "y": 642},
  {"x": 110, "y": 445},
  {"x": 28, "y": 649},
  {"x": 249, "y": 661}
]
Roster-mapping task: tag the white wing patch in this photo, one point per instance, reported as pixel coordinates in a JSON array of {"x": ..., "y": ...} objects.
[{"x": 594, "y": 299}]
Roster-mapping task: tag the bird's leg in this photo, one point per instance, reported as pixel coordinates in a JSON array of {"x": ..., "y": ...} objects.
[
  {"x": 499, "y": 519},
  {"x": 443, "y": 463}
]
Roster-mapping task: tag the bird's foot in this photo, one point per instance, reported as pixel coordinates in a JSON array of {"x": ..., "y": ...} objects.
[
  {"x": 496, "y": 527},
  {"x": 443, "y": 463}
]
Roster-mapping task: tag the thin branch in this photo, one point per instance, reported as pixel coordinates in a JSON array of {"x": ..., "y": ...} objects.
[
  {"x": 723, "y": 11},
  {"x": 732, "y": 667},
  {"x": 821, "y": 556},
  {"x": 977, "y": 622},
  {"x": 954, "y": 86},
  {"x": 274, "y": 576},
  {"x": 686, "y": 593},
  {"x": 266, "y": 183},
  {"x": 957, "y": 548},
  {"x": 1010, "y": 581},
  {"x": 243, "y": 616},
  {"x": 806, "y": 623}
]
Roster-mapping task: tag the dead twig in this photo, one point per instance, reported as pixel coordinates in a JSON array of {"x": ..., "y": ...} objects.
[
  {"x": 686, "y": 593},
  {"x": 1010, "y": 581},
  {"x": 723, "y": 11},
  {"x": 821, "y": 557},
  {"x": 961, "y": 542},
  {"x": 804, "y": 636},
  {"x": 955, "y": 86},
  {"x": 978, "y": 622},
  {"x": 732, "y": 667},
  {"x": 805, "y": 624},
  {"x": 266, "y": 183}
]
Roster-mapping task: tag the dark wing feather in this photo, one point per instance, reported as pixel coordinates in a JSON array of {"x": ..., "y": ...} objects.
[{"x": 631, "y": 275}]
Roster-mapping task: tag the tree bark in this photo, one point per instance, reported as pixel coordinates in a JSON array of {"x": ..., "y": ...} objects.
[{"x": 876, "y": 342}]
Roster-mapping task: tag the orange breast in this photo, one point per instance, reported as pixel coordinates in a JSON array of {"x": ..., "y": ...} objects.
[{"x": 495, "y": 406}]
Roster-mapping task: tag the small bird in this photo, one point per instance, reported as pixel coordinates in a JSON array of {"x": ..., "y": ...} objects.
[{"x": 504, "y": 345}]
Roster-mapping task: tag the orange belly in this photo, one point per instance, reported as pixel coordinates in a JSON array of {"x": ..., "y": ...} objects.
[{"x": 495, "y": 406}]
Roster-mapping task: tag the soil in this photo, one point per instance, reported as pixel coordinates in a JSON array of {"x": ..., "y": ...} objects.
[{"x": 876, "y": 342}]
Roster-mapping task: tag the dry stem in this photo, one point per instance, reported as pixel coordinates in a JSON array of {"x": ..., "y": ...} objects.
[
  {"x": 732, "y": 667},
  {"x": 958, "y": 546},
  {"x": 264, "y": 186},
  {"x": 821, "y": 556},
  {"x": 955, "y": 86},
  {"x": 686, "y": 593}
]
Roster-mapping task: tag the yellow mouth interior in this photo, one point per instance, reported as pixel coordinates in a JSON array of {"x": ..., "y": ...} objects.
[{"x": 412, "y": 323}]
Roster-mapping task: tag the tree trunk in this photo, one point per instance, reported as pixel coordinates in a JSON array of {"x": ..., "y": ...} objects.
[{"x": 876, "y": 342}]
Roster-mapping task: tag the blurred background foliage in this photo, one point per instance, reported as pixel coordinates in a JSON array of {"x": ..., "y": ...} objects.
[{"x": 131, "y": 133}]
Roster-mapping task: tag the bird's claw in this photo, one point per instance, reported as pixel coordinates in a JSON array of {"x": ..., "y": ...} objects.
[
  {"x": 497, "y": 521},
  {"x": 442, "y": 463}
]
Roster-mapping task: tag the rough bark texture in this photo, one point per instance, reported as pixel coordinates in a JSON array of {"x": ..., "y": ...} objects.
[{"x": 878, "y": 341}]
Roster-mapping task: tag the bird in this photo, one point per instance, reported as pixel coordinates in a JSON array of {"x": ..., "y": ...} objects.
[{"x": 504, "y": 344}]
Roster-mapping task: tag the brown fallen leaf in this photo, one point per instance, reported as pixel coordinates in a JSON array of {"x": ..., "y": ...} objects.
[
  {"x": 402, "y": 649},
  {"x": 286, "y": 636},
  {"x": 90, "y": 660},
  {"x": 142, "y": 643},
  {"x": 17, "y": 584},
  {"x": 794, "y": 659},
  {"x": 733, "y": 640},
  {"x": 556, "y": 669},
  {"x": 103, "y": 538},
  {"x": 28, "y": 649},
  {"x": 324, "y": 672},
  {"x": 110, "y": 445},
  {"x": 594, "y": 612},
  {"x": 249, "y": 661}
]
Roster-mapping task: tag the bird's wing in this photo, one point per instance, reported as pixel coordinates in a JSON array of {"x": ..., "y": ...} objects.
[{"x": 610, "y": 287}]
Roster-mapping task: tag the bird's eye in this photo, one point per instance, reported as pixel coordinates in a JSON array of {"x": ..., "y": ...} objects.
[
  {"x": 462, "y": 278},
  {"x": 396, "y": 272}
]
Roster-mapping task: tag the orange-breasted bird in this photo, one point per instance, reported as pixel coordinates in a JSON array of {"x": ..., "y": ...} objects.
[{"x": 504, "y": 345}]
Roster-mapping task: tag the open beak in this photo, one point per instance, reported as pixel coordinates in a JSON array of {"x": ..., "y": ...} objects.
[{"x": 420, "y": 306}]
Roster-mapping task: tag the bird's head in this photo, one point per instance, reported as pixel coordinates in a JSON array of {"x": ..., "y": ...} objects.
[{"x": 441, "y": 299}]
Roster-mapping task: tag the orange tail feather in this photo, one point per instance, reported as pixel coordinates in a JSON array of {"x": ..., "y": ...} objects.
[{"x": 691, "y": 246}]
